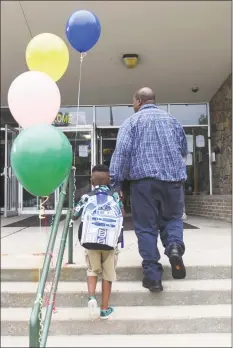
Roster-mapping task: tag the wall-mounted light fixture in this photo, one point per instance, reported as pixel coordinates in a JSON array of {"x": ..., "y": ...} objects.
[{"x": 130, "y": 60}]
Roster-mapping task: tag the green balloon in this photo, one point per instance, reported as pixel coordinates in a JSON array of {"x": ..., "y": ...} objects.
[{"x": 41, "y": 158}]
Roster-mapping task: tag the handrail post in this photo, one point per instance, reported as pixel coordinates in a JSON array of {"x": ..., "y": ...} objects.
[
  {"x": 53, "y": 290},
  {"x": 70, "y": 207},
  {"x": 34, "y": 327},
  {"x": 34, "y": 324}
]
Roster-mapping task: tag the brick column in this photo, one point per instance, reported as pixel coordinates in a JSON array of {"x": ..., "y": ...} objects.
[{"x": 221, "y": 137}]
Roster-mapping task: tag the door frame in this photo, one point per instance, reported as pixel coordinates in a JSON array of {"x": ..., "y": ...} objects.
[{"x": 8, "y": 172}]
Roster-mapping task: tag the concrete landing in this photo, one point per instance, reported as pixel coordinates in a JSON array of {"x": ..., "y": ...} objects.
[{"x": 208, "y": 245}]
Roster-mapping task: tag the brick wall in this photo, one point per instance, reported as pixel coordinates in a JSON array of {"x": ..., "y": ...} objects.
[
  {"x": 218, "y": 207},
  {"x": 221, "y": 137}
]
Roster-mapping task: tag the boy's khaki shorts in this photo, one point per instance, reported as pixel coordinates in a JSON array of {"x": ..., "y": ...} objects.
[{"x": 102, "y": 263}]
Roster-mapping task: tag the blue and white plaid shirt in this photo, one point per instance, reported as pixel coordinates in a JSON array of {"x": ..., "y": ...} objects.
[{"x": 150, "y": 144}]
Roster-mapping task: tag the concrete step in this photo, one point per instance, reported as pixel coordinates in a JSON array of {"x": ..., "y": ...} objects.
[
  {"x": 73, "y": 273},
  {"x": 176, "y": 292},
  {"x": 126, "y": 321},
  {"x": 185, "y": 340}
]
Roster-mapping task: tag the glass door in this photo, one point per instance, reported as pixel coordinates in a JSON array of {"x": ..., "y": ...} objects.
[
  {"x": 2, "y": 167},
  {"x": 107, "y": 147},
  {"x": 197, "y": 161},
  {"x": 82, "y": 144},
  {"x": 106, "y": 143},
  {"x": 10, "y": 181}
]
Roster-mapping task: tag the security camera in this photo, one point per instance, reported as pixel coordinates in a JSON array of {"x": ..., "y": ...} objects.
[{"x": 195, "y": 89}]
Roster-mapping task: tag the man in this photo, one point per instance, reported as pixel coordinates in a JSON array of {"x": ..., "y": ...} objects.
[{"x": 150, "y": 148}]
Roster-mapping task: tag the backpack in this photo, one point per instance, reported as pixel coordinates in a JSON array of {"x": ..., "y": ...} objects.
[{"x": 101, "y": 222}]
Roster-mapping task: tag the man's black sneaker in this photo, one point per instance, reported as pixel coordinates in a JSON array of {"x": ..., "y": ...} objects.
[
  {"x": 176, "y": 261},
  {"x": 152, "y": 285}
]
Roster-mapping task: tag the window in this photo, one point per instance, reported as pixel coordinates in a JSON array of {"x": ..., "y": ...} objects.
[
  {"x": 112, "y": 115},
  {"x": 189, "y": 114},
  {"x": 121, "y": 113},
  {"x": 67, "y": 116},
  {"x": 102, "y": 115},
  {"x": 162, "y": 107}
]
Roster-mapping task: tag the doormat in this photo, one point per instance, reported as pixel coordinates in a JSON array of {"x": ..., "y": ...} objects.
[
  {"x": 128, "y": 225},
  {"x": 33, "y": 221}
]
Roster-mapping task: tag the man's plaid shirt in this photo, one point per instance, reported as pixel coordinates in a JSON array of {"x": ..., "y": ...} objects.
[{"x": 150, "y": 144}]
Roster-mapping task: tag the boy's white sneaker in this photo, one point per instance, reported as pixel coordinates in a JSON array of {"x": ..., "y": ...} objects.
[
  {"x": 184, "y": 217},
  {"x": 93, "y": 307}
]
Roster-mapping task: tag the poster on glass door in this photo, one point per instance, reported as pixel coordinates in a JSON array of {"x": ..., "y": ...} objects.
[
  {"x": 200, "y": 141},
  {"x": 83, "y": 150},
  {"x": 189, "y": 138},
  {"x": 189, "y": 159}
]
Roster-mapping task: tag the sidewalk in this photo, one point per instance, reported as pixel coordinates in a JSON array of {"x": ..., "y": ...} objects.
[{"x": 208, "y": 245}]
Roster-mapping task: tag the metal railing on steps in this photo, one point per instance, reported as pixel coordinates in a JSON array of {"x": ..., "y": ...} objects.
[{"x": 39, "y": 328}]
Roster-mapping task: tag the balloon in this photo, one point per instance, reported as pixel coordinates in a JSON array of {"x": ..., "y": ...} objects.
[
  {"x": 34, "y": 98},
  {"x": 41, "y": 158},
  {"x": 83, "y": 30},
  {"x": 48, "y": 53}
]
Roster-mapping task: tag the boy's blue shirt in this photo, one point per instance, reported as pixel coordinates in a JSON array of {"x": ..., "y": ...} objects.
[{"x": 83, "y": 201}]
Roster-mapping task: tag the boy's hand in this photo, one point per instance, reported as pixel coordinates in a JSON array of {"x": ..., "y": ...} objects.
[{"x": 123, "y": 211}]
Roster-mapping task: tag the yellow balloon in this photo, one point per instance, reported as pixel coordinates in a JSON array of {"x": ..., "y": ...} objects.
[{"x": 48, "y": 53}]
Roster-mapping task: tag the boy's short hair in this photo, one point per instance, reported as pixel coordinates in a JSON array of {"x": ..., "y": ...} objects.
[{"x": 100, "y": 168}]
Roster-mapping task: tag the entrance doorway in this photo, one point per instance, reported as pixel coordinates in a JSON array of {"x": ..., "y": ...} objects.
[
  {"x": 198, "y": 181},
  {"x": 9, "y": 183},
  {"x": 106, "y": 143}
]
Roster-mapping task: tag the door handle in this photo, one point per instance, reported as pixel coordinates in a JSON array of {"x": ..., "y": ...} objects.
[{"x": 4, "y": 172}]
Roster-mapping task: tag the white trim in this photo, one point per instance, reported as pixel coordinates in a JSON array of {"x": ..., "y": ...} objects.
[
  {"x": 109, "y": 139},
  {"x": 101, "y": 149},
  {"x": 209, "y": 151},
  {"x": 130, "y": 105},
  {"x": 10, "y": 183},
  {"x": 94, "y": 136},
  {"x": 108, "y": 127},
  {"x": 184, "y": 125},
  {"x": 195, "y": 125},
  {"x": 81, "y": 128}
]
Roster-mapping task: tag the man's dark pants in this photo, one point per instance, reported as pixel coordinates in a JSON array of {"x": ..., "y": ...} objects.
[{"x": 157, "y": 206}]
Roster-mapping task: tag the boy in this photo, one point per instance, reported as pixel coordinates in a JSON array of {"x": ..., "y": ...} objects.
[{"x": 102, "y": 261}]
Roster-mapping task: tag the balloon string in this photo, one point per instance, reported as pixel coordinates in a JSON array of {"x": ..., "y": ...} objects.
[
  {"x": 83, "y": 54},
  {"x": 42, "y": 208},
  {"x": 29, "y": 29}
]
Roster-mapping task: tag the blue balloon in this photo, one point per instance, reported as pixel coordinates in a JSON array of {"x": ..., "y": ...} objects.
[{"x": 83, "y": 30}]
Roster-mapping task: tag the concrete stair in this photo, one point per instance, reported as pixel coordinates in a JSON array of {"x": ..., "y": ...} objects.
[
  {"x": 175, "y": 340},
  {"x": 176, "y": 293},
  {"x": 191, "y": 312}
]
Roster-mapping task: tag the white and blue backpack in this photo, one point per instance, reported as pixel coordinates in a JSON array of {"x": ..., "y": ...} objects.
[{"x": 101, "y": 225}]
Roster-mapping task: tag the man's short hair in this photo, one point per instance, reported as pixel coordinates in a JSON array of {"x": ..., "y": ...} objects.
[
  {"x": 100, "y": 168},
  {"x": 145, "y": 94}
]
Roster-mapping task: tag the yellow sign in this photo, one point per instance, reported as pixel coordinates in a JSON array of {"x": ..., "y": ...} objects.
[{"x": 63, "y": 118}]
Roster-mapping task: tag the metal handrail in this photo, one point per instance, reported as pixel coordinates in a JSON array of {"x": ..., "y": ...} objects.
[{"x": 38, "y": 331}]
